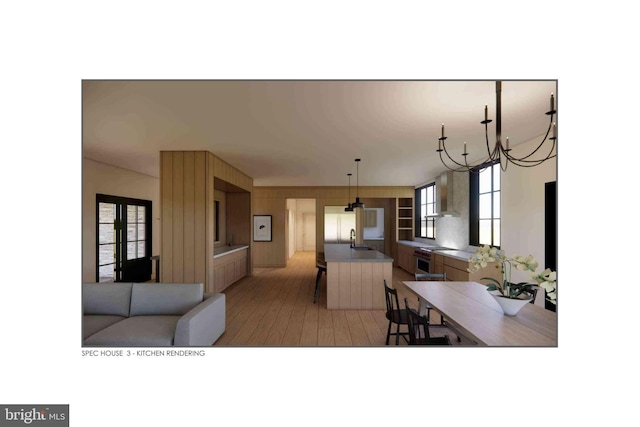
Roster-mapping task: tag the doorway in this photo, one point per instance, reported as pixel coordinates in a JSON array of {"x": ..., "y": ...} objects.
[
  {"x": 123, "y": 239},
  {"x": 301, "y": 225},
  {"x": 309, "y": 231}
]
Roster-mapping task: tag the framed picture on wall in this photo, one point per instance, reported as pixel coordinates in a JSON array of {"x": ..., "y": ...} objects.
[{"x": 262, "y": 228}]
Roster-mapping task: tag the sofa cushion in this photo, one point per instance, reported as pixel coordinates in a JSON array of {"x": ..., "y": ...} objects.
[
  {"x": 94, "y": 322},
  {"x": 137, "y": 331},
  {"x": 167, "y": 299},
  {"x": 106, "y": 298}
]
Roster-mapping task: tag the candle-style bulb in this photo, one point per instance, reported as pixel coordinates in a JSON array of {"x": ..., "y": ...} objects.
[
  {"x": 554, "y": 129},
  {"x": 465, "y": 147},
  {"x": 507, "y": 143},
  {"x": 552, "y": 103},
  {"x": 486, "y": 112},
  {"x": 443, "y": 130}
]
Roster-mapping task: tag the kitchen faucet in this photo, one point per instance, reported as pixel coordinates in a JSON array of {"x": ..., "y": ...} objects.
[{"x": 352, "y": 237}]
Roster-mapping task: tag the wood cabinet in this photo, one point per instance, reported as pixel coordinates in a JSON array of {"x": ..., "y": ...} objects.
[
  {"x": 406, "y": 260},
  {"x": 456, "y": 270},
  {"x": 370, "y": 218},
  {"x": 230, "y": 268},
  {"x": 437, "y": 263}
]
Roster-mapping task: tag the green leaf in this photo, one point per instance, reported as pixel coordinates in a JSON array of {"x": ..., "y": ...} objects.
[{"x": 499, "y": 285}]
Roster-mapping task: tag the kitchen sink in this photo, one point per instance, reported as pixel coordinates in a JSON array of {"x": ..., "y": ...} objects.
[{"x": 362, "y": 248}]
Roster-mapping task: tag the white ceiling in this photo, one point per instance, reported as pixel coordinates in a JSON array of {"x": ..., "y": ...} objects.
[{"x": 306, "y": 133}]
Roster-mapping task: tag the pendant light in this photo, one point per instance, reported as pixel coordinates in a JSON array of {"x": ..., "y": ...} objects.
[
  {"x": 357, "y": 203},
  {"x": 349, "y": 207}
]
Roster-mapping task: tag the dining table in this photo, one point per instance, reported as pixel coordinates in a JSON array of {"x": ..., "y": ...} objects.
[{"x": 471, "y": 311}]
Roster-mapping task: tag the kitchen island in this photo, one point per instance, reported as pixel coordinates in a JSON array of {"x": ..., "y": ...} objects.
[{"x": 355, "y": 277}]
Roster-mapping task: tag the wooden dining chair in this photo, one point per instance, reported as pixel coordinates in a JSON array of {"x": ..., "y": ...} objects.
[
  {"x": 434, "y": 277},
  {"x": 321, "y": 264},
  {"x": 419, "y": 329},
  {"x": 394, "y": 314}
]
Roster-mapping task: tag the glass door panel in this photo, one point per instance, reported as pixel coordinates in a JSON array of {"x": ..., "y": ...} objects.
[
  {"x": 107, "y": 242},
  {"x": 123, "y": 239}
]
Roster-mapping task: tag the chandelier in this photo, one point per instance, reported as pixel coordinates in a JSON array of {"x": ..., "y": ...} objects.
[{"x": 501, "y": 153}]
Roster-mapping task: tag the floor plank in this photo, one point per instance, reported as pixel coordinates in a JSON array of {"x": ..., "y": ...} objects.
[{"x": 275, "y": 307}]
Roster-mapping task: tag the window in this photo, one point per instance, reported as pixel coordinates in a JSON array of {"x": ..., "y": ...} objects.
[
  {"x": 426, "y": 205},
  {"x": 484, "y": 206},
  {"x": 123, "y": 239}
]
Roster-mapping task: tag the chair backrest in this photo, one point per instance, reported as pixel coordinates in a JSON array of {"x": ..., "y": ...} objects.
[
  {"x": 442, "y": 277},
  {"x": 320, "y": 261},
  {"x": 391, "y": 297},
  {"x": 418, "y": 326}
]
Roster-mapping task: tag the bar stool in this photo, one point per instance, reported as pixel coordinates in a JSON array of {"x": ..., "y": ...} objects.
[{"x": 322, "y": 268}]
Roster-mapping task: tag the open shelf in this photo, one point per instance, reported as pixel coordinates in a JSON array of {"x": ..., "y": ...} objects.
[{"x": 404, "y": 223}]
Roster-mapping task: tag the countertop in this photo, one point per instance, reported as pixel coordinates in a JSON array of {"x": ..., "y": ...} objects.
[
  {"x": 452, "y": 253},
  {"x": 226, "y": 250},
  {"x": 334, "y": 252},
  {"x": 415, "y": 244}
]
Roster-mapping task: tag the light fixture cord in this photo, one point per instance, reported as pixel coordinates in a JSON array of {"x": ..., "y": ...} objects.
[{"x": 357, "y": 180}]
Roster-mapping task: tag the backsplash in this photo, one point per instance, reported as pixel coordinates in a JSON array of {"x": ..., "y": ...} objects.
[{"x": 453, "y": 232}]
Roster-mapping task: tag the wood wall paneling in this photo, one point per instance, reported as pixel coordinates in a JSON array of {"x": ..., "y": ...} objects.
[
  {"x": 178, "y": 217},
  {"x": 238, "y": 215},
  {"x": 189, "y": 217},
  {"x": 344, "y": 281},
  {"x": 199, "y": 221},
  {"x": 356, "y": 285},
  {"x": 166, "y": 217},
  {"x": 379, "y": 272},
  {"x": 333, "y": 276},
  {"x": 187, "y": 186},
  {"x": 210, "y": 225},
  {"x": 271, "y": 254},
  {"x": 367, "y": 285}
]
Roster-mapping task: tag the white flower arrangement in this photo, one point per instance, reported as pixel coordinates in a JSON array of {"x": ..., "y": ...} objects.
[{"x": 546, "y": 279}]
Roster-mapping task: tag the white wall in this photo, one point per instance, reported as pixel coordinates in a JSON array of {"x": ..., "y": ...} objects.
[
  {"x": 523, "y": 207},
  {"x": 291, "y": 230},
  {"x": 100, "y": 178},
  {"x": 303, "y": 206}
]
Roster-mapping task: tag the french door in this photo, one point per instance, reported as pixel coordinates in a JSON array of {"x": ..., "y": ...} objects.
[{"x": 123, "y": 239}]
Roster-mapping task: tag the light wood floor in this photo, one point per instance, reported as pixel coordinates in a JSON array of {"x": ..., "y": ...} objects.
[{"x": 275, "y": 307}]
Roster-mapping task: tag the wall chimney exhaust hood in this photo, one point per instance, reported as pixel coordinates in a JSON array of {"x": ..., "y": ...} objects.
[{"x": 444, "y": 196}]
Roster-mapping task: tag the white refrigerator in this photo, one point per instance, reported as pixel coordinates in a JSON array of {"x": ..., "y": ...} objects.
[{"x": 338, "y": 224}]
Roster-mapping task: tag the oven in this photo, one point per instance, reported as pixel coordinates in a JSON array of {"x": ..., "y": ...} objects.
[
  {"x": 423, "y": 258},
  {"x": 423, "y": 262}
]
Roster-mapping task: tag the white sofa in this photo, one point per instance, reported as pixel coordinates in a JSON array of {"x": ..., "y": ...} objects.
[{"x": 151, "y": 315}]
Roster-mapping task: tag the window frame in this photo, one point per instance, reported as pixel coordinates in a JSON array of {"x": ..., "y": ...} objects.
[
  {"x": 418, "y": 210},
  {"x": 121, "y": 226},
  {"x": 474, "y": 205}
]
